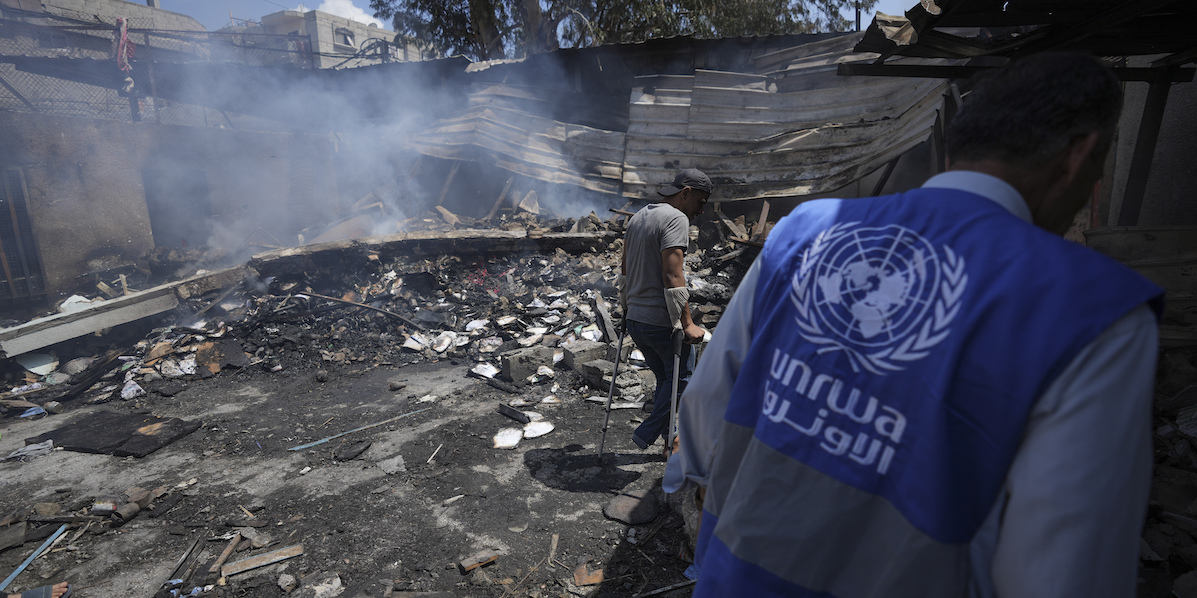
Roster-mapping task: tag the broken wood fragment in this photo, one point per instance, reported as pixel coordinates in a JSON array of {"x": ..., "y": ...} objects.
[
  {"x": 262, "y": 560},
  {"x": 224, "y": 556},
  {"x": 748, "y": 242},
  {"x": 732, "y": 254},
  {"x": 417, "y": 325},
  {"x": 449, "y": 217},
  {"x": 498, "y": 202},
  {"x": 513, "y": 413},
  {"x": 448, "y": 182},
  {"x": 622, "y": 212},
  {"x": 476, "y": 560},
  {"x": 659, "y": 591},
  {"x": 735, "y": 229},
  {"x": 583, "y": 576},
  {"x": 182, "y": 563},
  {"x": 501, "y": 385},
  {"x": 759, "y": 229}
]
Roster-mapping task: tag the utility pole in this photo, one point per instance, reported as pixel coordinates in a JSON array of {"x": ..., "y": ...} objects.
[{"x": 858, "y": 16}]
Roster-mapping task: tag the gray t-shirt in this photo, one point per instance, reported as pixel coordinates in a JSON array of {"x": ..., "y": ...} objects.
[{"x": 653, "y": 229}]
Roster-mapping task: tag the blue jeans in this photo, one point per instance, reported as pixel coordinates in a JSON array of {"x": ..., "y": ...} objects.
[{"x": 656, "y": 343}]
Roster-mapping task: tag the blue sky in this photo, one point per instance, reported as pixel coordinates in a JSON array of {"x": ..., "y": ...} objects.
[{"x": 214, "y": 14}]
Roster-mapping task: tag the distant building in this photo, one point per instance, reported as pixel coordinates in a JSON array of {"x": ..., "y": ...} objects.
[
  {"x": 147, "y": 15},
  {"x": 338, "y": 42}
]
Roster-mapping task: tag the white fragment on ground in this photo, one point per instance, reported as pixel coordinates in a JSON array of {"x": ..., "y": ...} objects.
[
  {"x": 558, "y": 355},
  {"x": 415, "y": 342},
  {"x": 188, "y": 366},
  {"x": 528, "y": 341},
  {"x": 490, "y": 344},
  {"x": 541, "y": 330},
  {"x": 443, "y": 341},
  {"x": 536, "y": 429},
  {"x": 507, "y": 438},
  {"x": 305, "y": 470},
  {"x": 131, "y": 390},
  {"x": 505, "y": 320},
  {"x": 485, "y": 370},
  {"x": 393, "y": 465},
  {"x": 476, "y": 325},
  {"x": 550, "y": 400},
  {"x": 427, "y": 399},
  {"x": 544, "y": 370},
  {"x": 517, "y": 402},
  {"x": 533, "y": 416}
]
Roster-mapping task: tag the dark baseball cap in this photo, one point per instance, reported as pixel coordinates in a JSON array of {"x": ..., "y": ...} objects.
[{"x": 690, "y": 177}]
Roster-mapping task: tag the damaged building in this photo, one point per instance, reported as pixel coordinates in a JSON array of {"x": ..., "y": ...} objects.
[{"x": 292, "y": 309}]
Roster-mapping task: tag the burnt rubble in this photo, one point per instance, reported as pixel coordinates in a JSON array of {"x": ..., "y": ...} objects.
[{"x": 527, "y": 312}]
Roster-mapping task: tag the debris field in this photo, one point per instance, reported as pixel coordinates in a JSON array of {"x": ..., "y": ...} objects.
[{"x": 416, "y": 415}]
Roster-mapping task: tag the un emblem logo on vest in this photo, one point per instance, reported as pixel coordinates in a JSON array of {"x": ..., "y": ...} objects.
[{"x": 885, "y": 296}]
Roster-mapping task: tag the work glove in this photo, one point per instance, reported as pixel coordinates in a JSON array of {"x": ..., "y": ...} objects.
[{"x": 675, "y": 302}]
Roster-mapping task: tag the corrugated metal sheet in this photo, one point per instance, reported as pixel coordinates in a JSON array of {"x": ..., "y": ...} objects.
[{"x": 791, "y": 128}]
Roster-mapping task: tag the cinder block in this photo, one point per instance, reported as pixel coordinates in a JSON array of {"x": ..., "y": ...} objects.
[
  {"x": 579, "y": 352},
  {"x": 521, "y": 363}
]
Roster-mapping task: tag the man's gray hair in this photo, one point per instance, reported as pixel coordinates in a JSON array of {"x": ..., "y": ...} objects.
[{"x": 1027, "y": 111}]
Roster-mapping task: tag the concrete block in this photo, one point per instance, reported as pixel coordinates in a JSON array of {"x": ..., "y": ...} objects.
[
  {"x": 597, "y": 374},
  {"x": 521, "y": 363},
  {"x": 579, "y": 352}
]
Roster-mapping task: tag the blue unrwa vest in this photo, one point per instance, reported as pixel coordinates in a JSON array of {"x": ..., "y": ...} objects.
[{"x": 899, "y": 344}]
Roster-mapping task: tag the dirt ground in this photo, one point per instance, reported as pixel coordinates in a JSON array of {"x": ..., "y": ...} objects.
[{"x": 457, "y": 496}]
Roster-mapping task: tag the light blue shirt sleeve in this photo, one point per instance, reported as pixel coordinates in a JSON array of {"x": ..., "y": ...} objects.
[
  {"x": 700, "y": 417},
  {"x": 1076, "y": 494}
]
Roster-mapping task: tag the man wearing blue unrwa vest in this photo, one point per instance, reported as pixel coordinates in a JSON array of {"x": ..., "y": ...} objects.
[{"x": 932, "y": 393}]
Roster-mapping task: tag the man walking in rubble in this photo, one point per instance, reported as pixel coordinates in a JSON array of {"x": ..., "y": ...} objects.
[
  {"x": 933, "y": 394},
  {"x": 654, "y": 293}
]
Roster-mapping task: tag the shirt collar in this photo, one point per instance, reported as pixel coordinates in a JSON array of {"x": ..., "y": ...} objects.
[{"x": 987, "y": 186}]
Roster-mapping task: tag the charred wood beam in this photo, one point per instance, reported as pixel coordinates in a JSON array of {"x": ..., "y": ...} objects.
[
  {"x": 1180, "y": 75},
  {"x": 392, "y": 314},
  {"x": 1149, "y": 133},
  {"x": 1060, "y": 36},
  {"x": 1177, "y": 59}
]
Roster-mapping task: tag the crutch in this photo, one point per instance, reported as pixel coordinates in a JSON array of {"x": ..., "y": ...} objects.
[
  {"x": 623, "y": 330},
  {"x": 678, "y": 339}
]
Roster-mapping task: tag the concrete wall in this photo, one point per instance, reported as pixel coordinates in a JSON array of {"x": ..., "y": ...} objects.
[
  {"x": 87, "y": 195},
  {"x": 108, "y": 11}
]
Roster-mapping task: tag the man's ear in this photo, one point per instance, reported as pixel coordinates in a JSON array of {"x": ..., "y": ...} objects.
[{"x": 1078, "y": 154}]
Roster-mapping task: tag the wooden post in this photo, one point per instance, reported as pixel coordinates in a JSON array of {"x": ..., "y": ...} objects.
[
  {"x": 889, "y": 169},
  {"x": 498, "y": 202},
  {"x": 448, "y": 182},
  {"x": 1149, "y": 133}
]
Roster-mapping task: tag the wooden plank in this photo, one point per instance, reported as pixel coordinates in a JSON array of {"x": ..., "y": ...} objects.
[
  {"x": 498, "y": 202},
  {"x": 262, "y": 560},
  {"x": 49, "y": 330},
  {"x": 448, "y": 183},
  {"x": 224, "y": 556},
  {"x": 477, "y": 560},
  {"x": 759, "y": 229},
  {"x": 15, "y": 341},
  {"x": 732, "y": 226}
]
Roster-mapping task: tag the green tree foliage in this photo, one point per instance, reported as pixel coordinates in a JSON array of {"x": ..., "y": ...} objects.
[{"x": 488, "y": 29}]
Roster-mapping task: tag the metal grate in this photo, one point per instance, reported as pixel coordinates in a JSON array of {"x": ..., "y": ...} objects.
[{"x": 21, "y": 276}]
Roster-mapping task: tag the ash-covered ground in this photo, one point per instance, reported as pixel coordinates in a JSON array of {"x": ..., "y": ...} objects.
[{"x": 412, "y": 489}]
